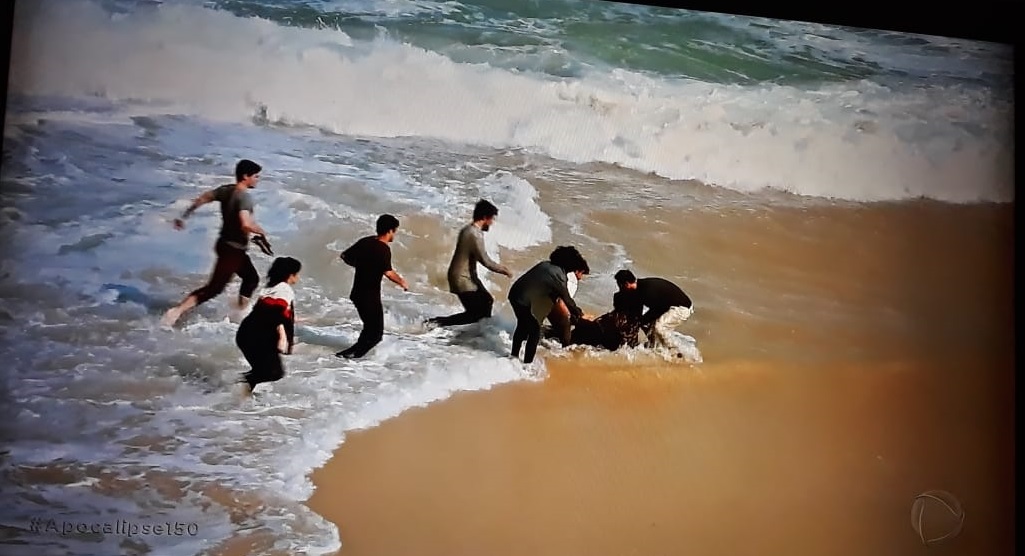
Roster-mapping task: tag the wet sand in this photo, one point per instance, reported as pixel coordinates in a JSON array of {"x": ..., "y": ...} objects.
[
  {"x": 615, "y": 460},
  {"x": 854, "y": 358}
]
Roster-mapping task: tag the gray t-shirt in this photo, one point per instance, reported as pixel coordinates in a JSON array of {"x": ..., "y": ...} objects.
[
  {"x": 462, "y": 271},
  {"x": 540, "y": 287},
  {"x": 233, "y": 202}
]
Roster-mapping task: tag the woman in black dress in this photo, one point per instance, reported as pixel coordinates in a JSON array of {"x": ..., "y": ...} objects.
[{"x": 268, "y": 331}]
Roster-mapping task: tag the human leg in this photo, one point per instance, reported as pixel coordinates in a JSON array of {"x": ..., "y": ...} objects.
[
  {"x": 667, "y": 323},
  {"x": 250, "y": 280},
  {"x": 524, "y": 318},
  {"x": 264, "y": 361},
  {"x": 226, "y": 265},
  {"x": 533, "y": 337},
  {"x": 476, "y": 306},
  {"x": 371, "y": 312}
]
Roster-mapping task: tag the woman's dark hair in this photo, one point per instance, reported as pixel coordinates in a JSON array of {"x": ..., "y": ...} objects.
[
  {"x": 281, "y": 269},
  {"x": 386, "y": 223},
  {"x": 569, "y": 259},
  {"x": 246, "y": 168}
]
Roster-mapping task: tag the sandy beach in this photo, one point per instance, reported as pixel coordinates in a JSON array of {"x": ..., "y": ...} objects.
[
  {"x": 838, "y": 203},
  {"x": 792, "y": 437},
  {"x": 607, "y": 460}
]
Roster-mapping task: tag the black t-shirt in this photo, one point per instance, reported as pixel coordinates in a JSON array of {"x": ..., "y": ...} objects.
[
  {"x": 661, "y": 294},
  {"x": 232, "y": 203},
  {"x": 371, "y": 258}
]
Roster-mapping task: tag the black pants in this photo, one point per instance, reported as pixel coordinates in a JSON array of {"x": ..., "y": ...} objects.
[
  {"x": 263, "y": 357},
  {"x": 477, "y": 305},
  {"x": 371, "y": 312},
  {"x": 230, "y": 261},
  {"x": 527, "y": 330}
]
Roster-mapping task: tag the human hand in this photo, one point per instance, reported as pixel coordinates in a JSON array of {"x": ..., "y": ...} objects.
[
  {"x": 179, "y": 224},
  {"x": 283, "y": 345},
  {"x": 263, "y": 243}
]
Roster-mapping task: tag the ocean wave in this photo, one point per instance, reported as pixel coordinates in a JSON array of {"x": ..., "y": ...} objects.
[{"x": 858, "y": 141}]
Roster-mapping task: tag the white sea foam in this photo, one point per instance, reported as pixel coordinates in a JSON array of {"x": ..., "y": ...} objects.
[
  {"x": 95, "y": 385},
  {"x": 92, "y": 379},
  {"x": 856, "y": 141}
]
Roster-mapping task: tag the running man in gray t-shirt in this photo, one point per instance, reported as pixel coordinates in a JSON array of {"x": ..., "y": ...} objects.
[
  {"x": 236, "y": 224},
  {"x": 462, "y": 271}
]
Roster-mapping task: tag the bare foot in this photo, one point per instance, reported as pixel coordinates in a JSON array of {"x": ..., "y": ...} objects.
[
  {"x": 236, "y": 312},
  {"x": 171, "y": 316}
]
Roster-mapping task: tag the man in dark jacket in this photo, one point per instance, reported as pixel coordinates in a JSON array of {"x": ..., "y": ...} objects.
[
  {"x": 534, "y": 294},
  {"x": 667, "y": 305}
]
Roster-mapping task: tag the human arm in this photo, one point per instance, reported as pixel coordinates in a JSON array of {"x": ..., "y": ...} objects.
[
  {"x": 290, "y": 328},
  {"x": 206, "y": 197},
  {"x": 348, "y": 256},
  {"x": 394, "y": 277},
  {"x": 384, "y": 260},
  {"x": 279, "y": 301},
  {"x": 249, "y": 224},
  {"x": 482, "y": 255},
  {"x": 283, "y": 346},
  {"x": 562, "y": 292}
]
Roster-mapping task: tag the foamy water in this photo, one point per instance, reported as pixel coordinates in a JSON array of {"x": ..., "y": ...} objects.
[
  {"x": 922, "y": 141},
  {"x": 89, "y": 358},
  {"x": 119, "y": 116}
]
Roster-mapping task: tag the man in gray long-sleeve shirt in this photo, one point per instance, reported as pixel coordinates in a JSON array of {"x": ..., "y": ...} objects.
[{"x": 462, "y": 271}]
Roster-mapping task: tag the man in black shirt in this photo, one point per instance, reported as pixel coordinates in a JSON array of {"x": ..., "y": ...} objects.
[
  {"x": 667, "y": 305},
  {"x": 371, "y": 257}
]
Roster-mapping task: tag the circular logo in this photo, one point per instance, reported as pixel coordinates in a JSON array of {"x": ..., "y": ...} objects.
[{"x": 936, "y": 515}]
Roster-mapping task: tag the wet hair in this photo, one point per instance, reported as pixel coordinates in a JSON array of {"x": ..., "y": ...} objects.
[
  {"x": 281, "y": 269},
  {"x": 246, "y": 168},
  {"x": 386, "y": 223},
  {"x": 569, "y": 259},
  {"x": 484, "y": 209},
  {"x": 625, "y": 277}
]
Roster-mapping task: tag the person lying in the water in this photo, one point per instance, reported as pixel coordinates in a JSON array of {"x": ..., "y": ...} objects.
[{"x": 616, "y": 328}]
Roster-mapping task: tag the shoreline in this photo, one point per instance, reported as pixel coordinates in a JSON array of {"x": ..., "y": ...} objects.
[{"x": 744, "y": 458}]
